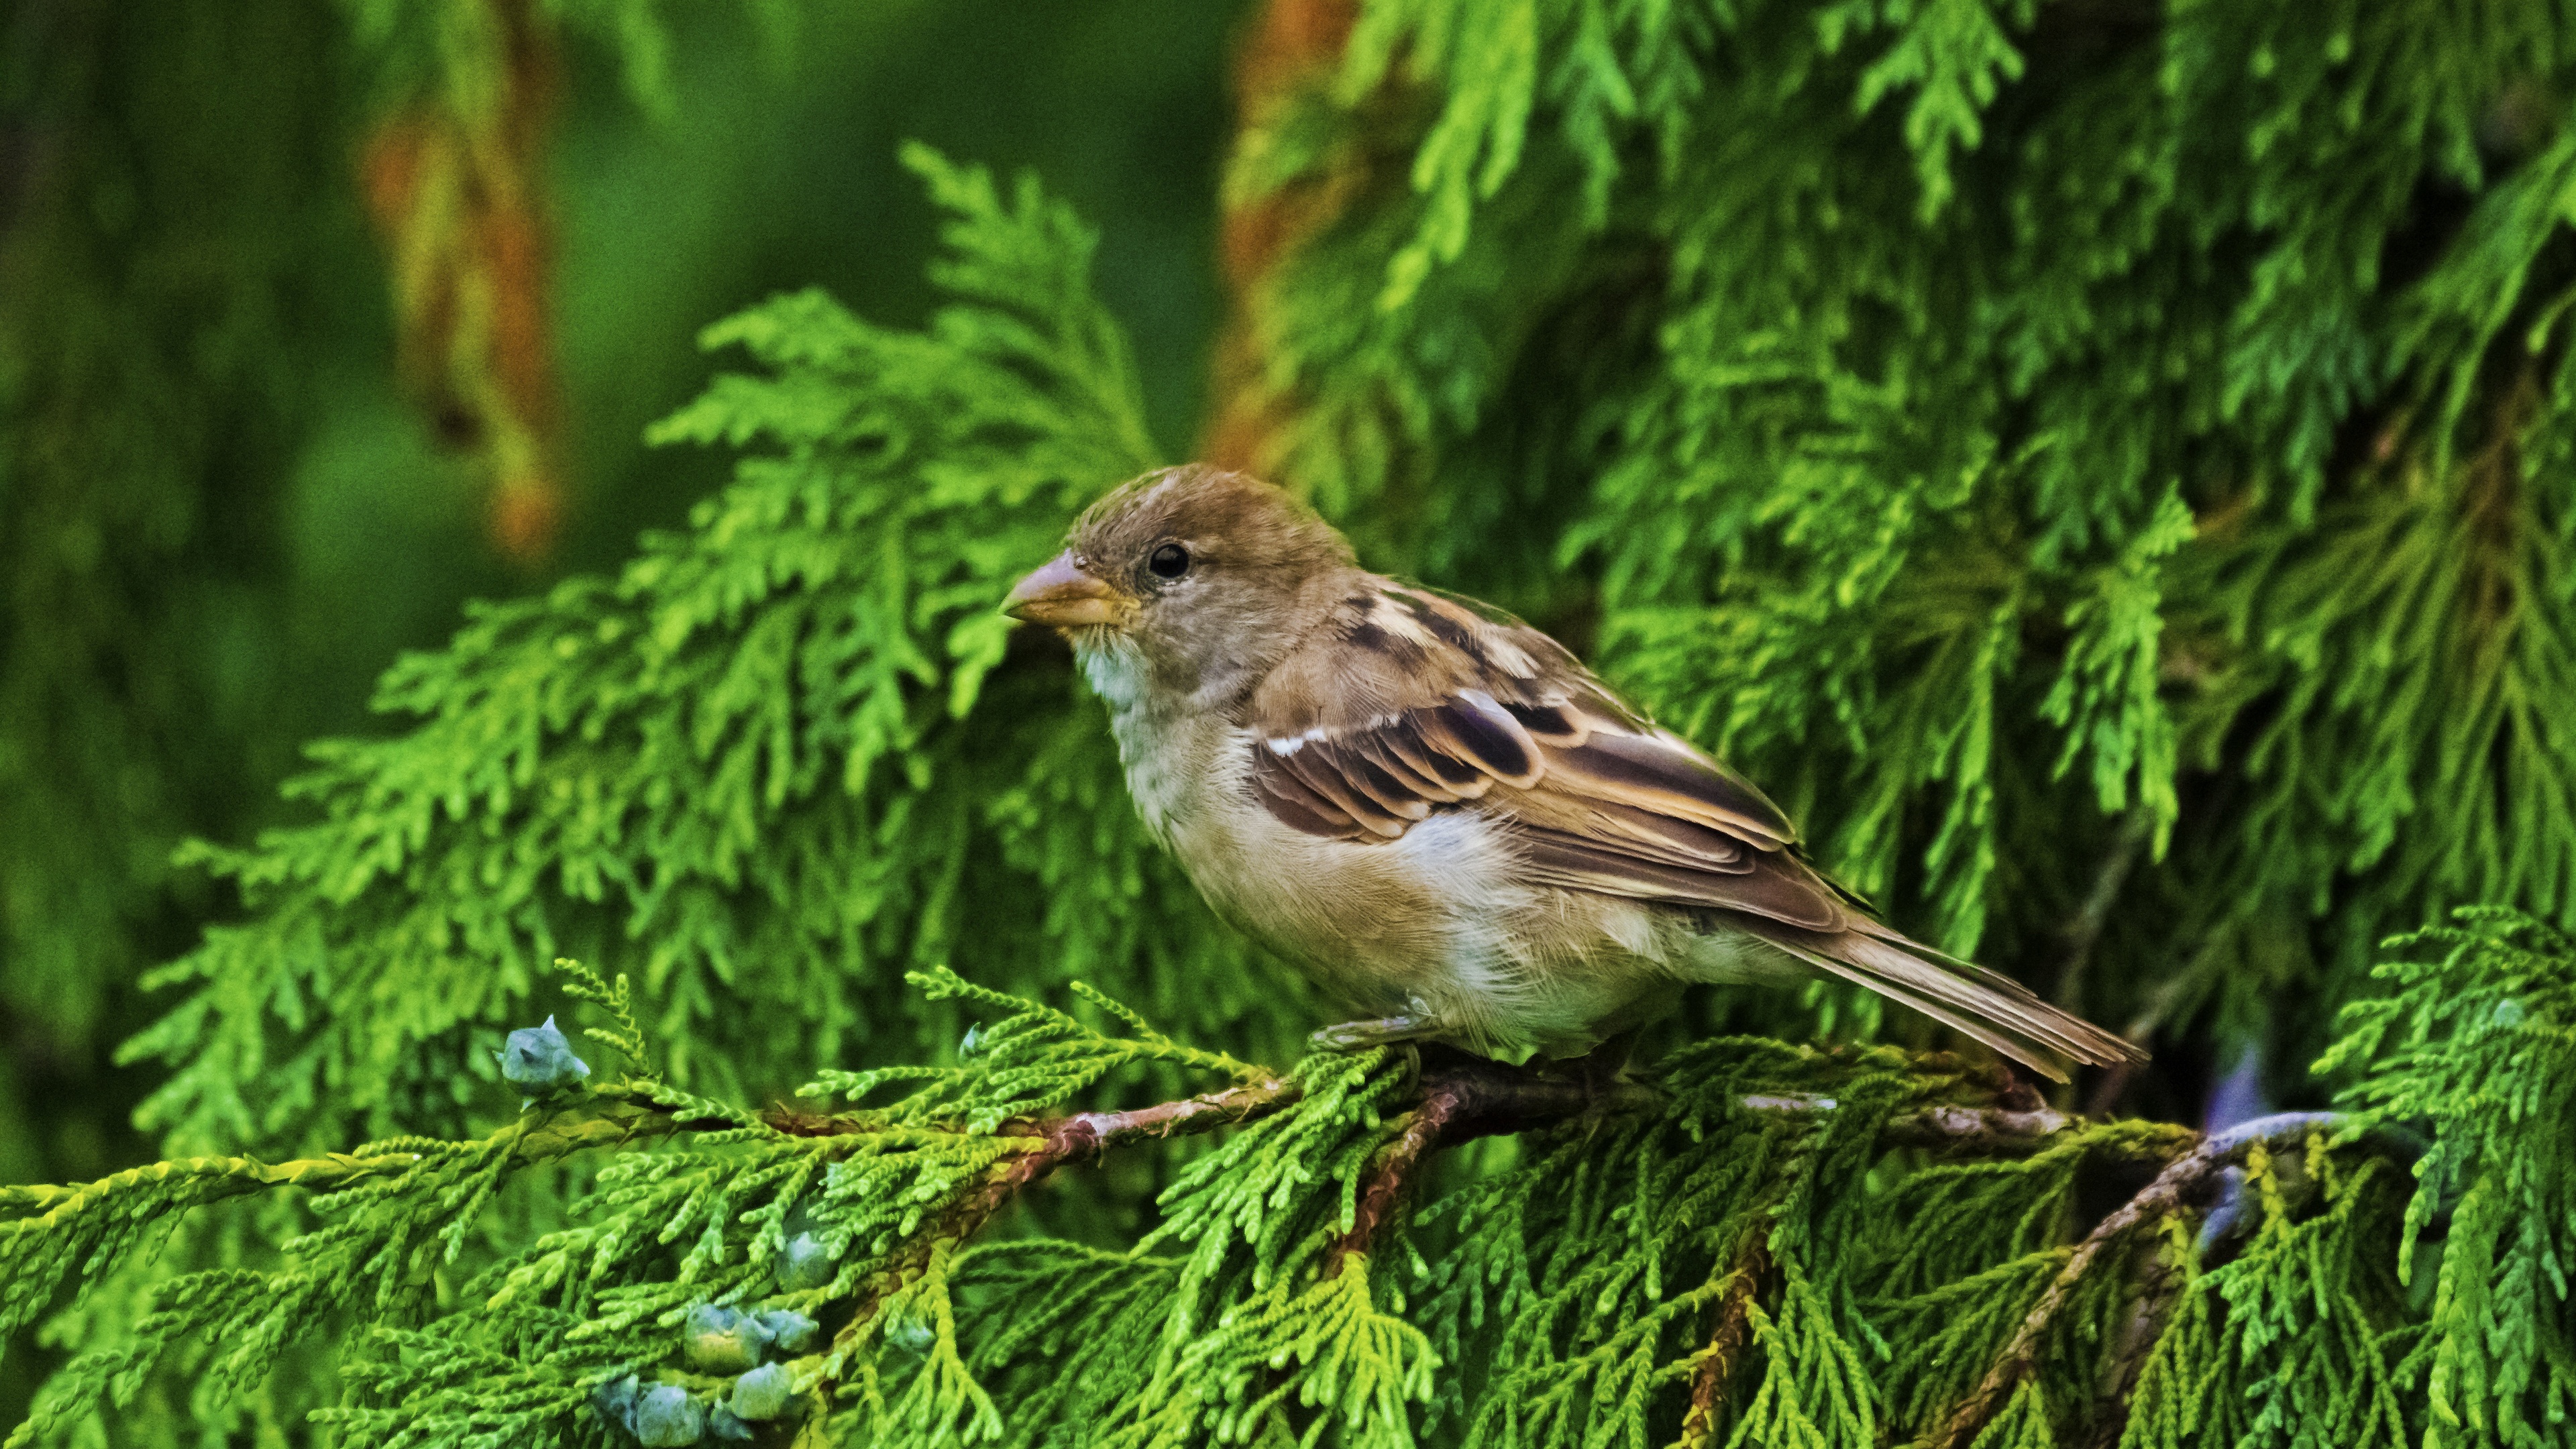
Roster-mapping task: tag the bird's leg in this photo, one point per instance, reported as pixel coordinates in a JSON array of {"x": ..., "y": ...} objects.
[
  {"x": 1600, "y": 1072},
  {"x": 1606, "y": 1066},
  {"x": 1353, "y": 1036},
  {"x": 1417, "y": 1022}
]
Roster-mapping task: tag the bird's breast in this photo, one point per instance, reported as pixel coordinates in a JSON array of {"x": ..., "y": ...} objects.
[
  {"x": 1171, "y": 764},
  {"x": 1369, "y": 919}
]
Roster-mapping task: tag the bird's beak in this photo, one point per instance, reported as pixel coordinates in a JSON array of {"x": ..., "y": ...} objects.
[{"x": 1067, "y": 596}]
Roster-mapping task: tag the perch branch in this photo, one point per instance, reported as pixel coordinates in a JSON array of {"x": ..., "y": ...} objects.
[
  {"x": 2172, "y": 1188},
  {"x": 214, "y": 1179},
  {"x": 1482, "y": 1098}
]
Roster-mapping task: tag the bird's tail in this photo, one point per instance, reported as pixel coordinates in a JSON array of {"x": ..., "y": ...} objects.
[{"x": 1986, "y": 1005}]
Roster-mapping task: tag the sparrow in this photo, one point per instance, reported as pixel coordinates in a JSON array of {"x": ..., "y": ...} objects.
[{"x": 1436, "y": 811}]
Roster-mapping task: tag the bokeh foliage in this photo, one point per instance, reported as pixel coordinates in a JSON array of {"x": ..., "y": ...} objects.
[
  {"x": 222, "y": 516},
  {"x": 2104, "y": 467},
  {"x": 149, "y": 282}
]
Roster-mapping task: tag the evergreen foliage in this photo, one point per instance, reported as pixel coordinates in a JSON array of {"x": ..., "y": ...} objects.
[
  {"x": 2105, "y": 469},
  {"x": 2026, "y": 437},
  {"x": 1748, "y": 1243}
]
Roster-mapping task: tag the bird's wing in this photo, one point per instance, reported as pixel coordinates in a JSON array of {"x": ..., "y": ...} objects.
[{"x": 1407, "y": 701}]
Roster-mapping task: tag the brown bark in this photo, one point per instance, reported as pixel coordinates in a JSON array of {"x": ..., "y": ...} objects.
[
  {"x": 458, "y": 201},
  {"x": 1393, "y": 1178},
  {"x": 1751, "y": 1265},
  {"x": 1292, "y": 49}
]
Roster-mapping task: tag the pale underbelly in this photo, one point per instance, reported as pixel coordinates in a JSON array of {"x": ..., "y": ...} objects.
[{"x": 1434, "y": 924}]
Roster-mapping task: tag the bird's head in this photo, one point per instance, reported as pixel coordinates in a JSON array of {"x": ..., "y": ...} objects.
[{"x": 1189, "y": 578}]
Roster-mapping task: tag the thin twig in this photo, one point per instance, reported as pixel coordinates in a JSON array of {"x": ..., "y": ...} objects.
[
  {"x": 541, "y": 1139},
  {"x": 2084, "y": 930},
  {"x": 1489, "y": 1098},
  {"x": 1085, "y": 1135},
  {"x": 1735, "y": 1295},
  {"x": 1962, "y": 1129},
  {"x": 2181, "y": 1180},
  {"x": 1394, "y": 1174},
  {"x": 1080, "y": 1134}
]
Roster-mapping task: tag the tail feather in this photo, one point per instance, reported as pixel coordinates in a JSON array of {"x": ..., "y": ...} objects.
[{"x": 1987, "y": 1006}]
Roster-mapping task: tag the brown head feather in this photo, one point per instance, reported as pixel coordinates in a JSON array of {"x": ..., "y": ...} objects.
[{"x": 1260, "y": 567}]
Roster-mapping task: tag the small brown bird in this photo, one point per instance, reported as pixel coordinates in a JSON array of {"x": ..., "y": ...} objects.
[{"x": 1436, "y": 811}]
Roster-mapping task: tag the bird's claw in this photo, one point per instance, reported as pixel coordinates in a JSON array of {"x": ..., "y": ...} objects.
[{"x": 1356, "y": 1036}]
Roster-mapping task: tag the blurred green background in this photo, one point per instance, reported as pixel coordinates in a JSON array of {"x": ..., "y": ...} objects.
[{"x": 221, "y": 516}]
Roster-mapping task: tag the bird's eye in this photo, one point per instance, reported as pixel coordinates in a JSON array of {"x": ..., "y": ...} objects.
[{"x": 1169, "y": 562}]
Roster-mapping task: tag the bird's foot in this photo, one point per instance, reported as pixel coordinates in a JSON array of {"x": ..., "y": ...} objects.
[
  {"x": 1605, "y": 1067},
  {"x": 1601, "y": 1074},
  {"x": 1602, "y": 1070},
  {"x": 1357, "y": 1036}
]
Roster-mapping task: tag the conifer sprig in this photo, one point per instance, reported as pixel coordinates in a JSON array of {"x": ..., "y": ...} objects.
[
  {"x": 1034, "y": 1057},
  {"x": 622, "y": 1035},
  {"x": 397, "y": 1214},
  {"x": 2477, "y": 1043},
  {"x": 1749, "y": 1242}
]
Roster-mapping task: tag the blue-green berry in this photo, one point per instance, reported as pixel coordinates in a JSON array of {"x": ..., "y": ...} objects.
[
  {"x": 724, "y": 1423},
  {"x": 723, "y": 1341},
  {"x": 763, "y": 1393},
  {"x": 790, "y": 1333},
  {"x": 667, "y": 1418},
  {"x": 615, "y": 1400},
  {"x": 538, "y": 1058},
  {"x": 806, "y": 1263}
]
